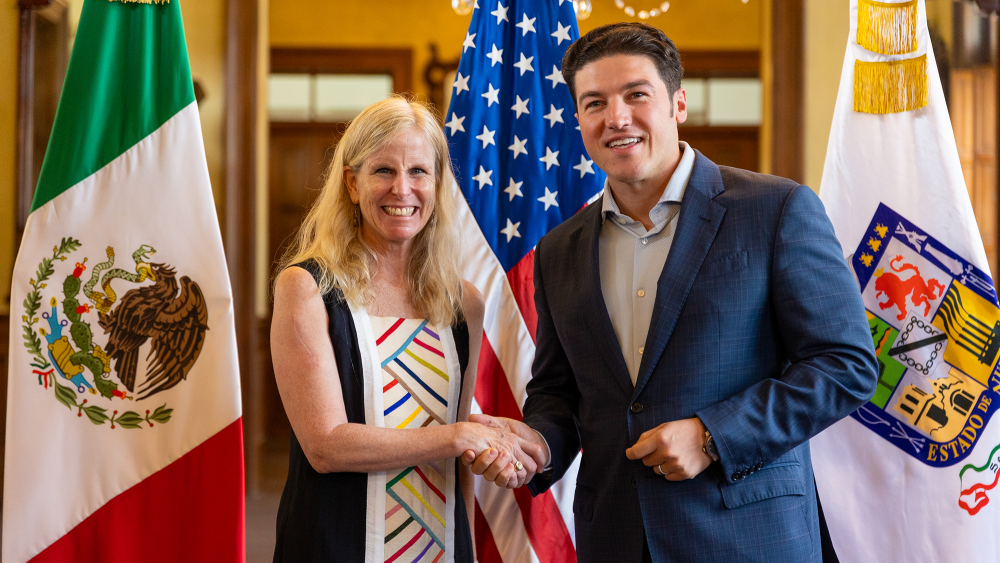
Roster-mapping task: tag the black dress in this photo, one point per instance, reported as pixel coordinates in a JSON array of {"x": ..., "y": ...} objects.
[{"x": 322, "y": 516}]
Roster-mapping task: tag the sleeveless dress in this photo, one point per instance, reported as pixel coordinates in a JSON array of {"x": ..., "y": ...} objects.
[{"x": 398, "y": 373}]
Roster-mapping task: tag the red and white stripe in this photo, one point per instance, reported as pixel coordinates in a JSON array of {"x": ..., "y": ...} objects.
[{"x": 511, "y": 526}]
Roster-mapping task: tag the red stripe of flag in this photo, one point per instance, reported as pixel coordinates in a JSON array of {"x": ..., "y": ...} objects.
[
  {"x": 543, "y": 522},
  {"x": 522, "y": 284},
  {"x": 198, "y": 497}
]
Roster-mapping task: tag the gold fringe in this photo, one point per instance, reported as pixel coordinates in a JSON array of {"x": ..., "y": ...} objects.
[
  {"x": 888, "y": 29},
  {"x": 890, "y": 87},
  {"x": 141, "y": 1}
]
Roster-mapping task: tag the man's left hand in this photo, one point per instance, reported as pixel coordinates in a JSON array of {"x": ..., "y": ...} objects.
[{"x": 673, "y": 448}]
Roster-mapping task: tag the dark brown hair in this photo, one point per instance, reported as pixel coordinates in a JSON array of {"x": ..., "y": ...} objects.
[{"x": 625, "y": 38}]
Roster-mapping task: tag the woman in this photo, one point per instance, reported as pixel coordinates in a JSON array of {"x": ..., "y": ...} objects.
[{"x": 372, "y": 332}]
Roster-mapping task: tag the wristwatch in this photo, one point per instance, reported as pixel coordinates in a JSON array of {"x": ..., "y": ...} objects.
[{"x": 709, "y": 447}]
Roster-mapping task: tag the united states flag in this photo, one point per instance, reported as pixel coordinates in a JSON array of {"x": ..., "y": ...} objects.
[{"x": 522, "y": 168}]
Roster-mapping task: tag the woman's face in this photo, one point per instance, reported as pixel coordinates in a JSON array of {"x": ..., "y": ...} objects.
[{"x": 395, "y": 189}]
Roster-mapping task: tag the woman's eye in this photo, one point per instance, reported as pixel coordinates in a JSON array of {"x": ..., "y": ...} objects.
[{"x": 382, "y": 170}]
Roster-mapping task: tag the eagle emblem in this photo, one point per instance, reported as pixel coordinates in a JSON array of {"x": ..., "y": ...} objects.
[{"x": 89, "y": 371}]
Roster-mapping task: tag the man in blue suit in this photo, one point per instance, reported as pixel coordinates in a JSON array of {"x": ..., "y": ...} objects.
[{"x": 696, "y": 327}]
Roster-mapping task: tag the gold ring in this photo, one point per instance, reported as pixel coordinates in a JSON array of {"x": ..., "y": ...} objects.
[{"x": 518, "y": 466}]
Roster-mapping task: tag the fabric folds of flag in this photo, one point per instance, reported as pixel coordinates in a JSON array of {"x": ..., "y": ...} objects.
[
  {"x": 911, "y": 474},
  {"x": 124, "y": 438},
  {"x": 522, "y": 170}
]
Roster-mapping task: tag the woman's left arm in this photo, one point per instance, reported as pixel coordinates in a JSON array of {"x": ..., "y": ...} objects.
[{"x": 472, "y": 304}]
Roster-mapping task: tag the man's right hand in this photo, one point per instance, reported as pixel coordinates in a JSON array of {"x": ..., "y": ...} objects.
[{"x": 498, "y": 467}]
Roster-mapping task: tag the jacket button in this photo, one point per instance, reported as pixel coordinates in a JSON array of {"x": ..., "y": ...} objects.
[
  {"x": 737, "y": 476},
  {"x": 636, "y": 408},
  {"x": 759, "y": 466}
]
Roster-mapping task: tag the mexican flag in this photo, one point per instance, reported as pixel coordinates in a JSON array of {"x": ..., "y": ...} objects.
[
  {"x": 911, "y": 475},
  {"x": 124, "y": 438}
]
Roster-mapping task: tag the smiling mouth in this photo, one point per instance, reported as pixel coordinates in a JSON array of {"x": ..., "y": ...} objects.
[
  {"x": 399, "y": 211},
  {"x": 626, "y": 142}
]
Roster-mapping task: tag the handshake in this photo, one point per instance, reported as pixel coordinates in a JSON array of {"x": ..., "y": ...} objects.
[{"x": 504, "y": 451}]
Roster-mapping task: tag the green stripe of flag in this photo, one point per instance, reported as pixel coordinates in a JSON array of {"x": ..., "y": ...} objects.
[{"x": 127, "y": 76}]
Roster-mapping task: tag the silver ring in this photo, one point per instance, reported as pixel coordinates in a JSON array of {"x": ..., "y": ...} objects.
[
  {"x": 660, "y": 470},
  {"x": 518, "y": 466}
]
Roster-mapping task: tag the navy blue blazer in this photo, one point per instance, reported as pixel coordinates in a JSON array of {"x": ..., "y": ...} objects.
[{"x": 758, "y": 329}]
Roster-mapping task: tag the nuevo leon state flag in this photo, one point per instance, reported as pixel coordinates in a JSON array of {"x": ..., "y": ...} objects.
[
  {"x": 911, "y": 475},
  {"x": 124, "y": 437}
]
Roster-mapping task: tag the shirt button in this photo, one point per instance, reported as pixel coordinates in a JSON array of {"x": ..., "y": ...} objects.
[
  {"x": 621, "y": 220},
  {"x": 645, "y": 241},
  {"x": 641, "y": 293}
]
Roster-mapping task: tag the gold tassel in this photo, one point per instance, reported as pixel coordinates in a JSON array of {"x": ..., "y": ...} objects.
[
  {"x": 142, "y": 1},
  {"x": 888, "y": 29},
  {"x": 891, "y": 87}
]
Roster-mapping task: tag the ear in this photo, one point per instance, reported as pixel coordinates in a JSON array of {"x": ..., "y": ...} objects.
[
  {"x": 351, "y": 181},
  {"x": 680, "y": 105}
]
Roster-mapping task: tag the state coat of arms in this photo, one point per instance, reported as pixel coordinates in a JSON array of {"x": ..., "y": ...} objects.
[
  {"x": 935, "y": 324},
  {"x": 90, "y": 371}
]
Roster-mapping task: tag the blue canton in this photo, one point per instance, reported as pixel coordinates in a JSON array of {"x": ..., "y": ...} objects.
[{"x": 518, "y": 154}]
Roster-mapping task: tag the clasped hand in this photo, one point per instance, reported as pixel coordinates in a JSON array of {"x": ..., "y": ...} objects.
[
  {"x": 672, "y": 449},
  {"x": 511, "y": 442}
]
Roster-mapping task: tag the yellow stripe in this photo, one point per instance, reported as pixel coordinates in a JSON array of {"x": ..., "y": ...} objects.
[
  {"x": 423, "y": 501},
  {"x": 410, "y": 418},
  {"x": 427, "y": 365}
]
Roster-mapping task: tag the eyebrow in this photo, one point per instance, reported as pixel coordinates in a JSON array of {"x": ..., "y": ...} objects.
[{"x": 629, "y": 86}]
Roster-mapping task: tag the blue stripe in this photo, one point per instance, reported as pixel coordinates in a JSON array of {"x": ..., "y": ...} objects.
[
  {"x": 407, "y": 508},
  {"x": 392, "y": 356},
  {"x": 422, "y": 384},
  {"x": 396, "y": 406}
]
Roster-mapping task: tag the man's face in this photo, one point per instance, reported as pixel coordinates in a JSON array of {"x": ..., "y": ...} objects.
[{"x": 628, "y": 121}]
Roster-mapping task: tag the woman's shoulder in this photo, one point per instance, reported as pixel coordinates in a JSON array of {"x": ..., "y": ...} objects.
[{"x": 295, "y": 282}]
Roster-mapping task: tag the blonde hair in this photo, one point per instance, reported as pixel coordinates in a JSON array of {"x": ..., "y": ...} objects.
[{"x": 331, "y": 232}]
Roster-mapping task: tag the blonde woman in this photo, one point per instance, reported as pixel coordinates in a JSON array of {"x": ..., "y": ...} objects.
[{"x": 375, "y": 338}]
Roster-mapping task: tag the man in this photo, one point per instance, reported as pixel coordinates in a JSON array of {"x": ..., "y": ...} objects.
[{"x": 695, "y": 328}]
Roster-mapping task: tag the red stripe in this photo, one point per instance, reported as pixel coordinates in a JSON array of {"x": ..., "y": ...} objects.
[
  {"x": 486, "y": 547},
  {"x": 391, "y": 330},
  {"x": 429, "y": 484},
  {"x": 438, "y": 557},
  {"x": 191, "y": 510},
  {"x": 389, "y": 385},
  {"x": 522, "y": 283},
  {"x": 543, "y": 522},
  {"x": 403, "y": 549},
  {"x": 435, "y": 350}
]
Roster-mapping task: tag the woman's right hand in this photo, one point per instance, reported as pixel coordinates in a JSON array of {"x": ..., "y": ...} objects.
[{"x": 500, "y": 448}]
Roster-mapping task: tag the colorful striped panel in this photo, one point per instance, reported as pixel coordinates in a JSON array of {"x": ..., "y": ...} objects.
[{"x": 414, "y": 391}]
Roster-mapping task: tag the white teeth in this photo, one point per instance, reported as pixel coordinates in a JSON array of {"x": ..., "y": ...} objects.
[
  {"x": 399, "y": 211},
  {"x": 623, "y": 142}
]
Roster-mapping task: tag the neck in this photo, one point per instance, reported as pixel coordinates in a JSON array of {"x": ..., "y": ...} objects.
[
  {"x": 637, "y": 199},
  {"x": 392, "y": 260}
]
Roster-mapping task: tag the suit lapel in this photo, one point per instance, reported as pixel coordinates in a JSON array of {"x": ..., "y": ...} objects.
[
  {"x": 697, "y": 225},
  {"x": 595, "y": 309}
]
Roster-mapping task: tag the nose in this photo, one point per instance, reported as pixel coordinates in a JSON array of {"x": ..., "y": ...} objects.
[
  {"x": 619, "y": 114},
  {"x": 402, "y": 186}
]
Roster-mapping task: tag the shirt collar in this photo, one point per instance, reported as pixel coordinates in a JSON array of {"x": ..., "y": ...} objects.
[{"x": 673, "y": 193}]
